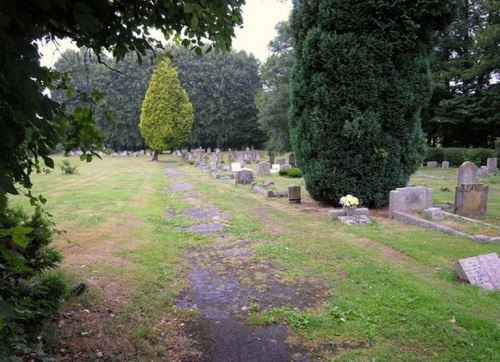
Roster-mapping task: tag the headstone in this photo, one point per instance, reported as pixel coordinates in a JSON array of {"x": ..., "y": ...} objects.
[
  {"x": 482, "y": 270},
  {"x": 410, "y": 199},
  {"x": 235, "y": 166},
  {"x": 483, "y": 172},
  {"x": 445, "y": 165},
  {"x": 209, "y": 150},
  {"x": 271, "y": 158},
  {"x": 215, "y": 161},
  {"x": 240, "y": 158},
  {"x": 243, "y": 177},
  {"x": 291, "y": 159},
  {"x": 433, "y": 213},
  {"x": 294, "y": 194},
  {"x": 491, "y": 164},
  {"x": 281, "y": 161},
  {"x": 432, "y": 164},
  {"x": 286, "y": 166},
  {"x": 275, "y": 168},
  {"x": 466, "y": 173},
  {"x": 263, "y": 168},
  {"x": 471, "y": 200}
]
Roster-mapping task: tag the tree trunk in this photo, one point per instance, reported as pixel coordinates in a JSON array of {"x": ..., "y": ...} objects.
[{"x": 155, "y": 156}]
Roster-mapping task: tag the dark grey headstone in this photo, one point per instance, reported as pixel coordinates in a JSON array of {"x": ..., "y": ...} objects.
[{"x": 243, "y": 177}]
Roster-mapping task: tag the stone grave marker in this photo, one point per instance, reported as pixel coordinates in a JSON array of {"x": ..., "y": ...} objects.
[
  {"x": 281, "y": 161},
  {"x": 275, "y": 168},
  {"x": 240, "y": 157},
  {"x": 471, "y": 200},
  {"x": 466, "y": 173},
  {"x": 433, "y": 213},
  {"x": 491, "y": 164},
  {"x": 291, "y": 159},
  {"x": 432, "y": 164},
  {"x": 482, "y": 270},
  {"x": 263, "y": 168},
  {"x": 243, "y": 177},
  {"x": 410, "y": 199},
  {"x": 294, "y": 194},
  {"x": 445, "y": 165},
  {"x": 286, "y": 166},
  {"x": 235, "y": 166}
]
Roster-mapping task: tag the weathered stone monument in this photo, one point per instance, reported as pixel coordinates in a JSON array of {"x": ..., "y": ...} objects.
[
  {"x": 294, "y": 194},
  {"x": 243, "y": 177},
  {"x": 286, "y": 166},
  {"x": 491, "y": 164},
  {"x": 291, "y": 159},
  {"x": 445, "y": 165},
  {"x": 264, "y": 168},
  {"x": 409, "y": 199},
  {"x": 281, "y": 161},
  {"x": 432, "y": 164},
  {"x": 466, "y": 173},
  {"x": 471, "y": 199},
  {"x": 482, "y": 270}
]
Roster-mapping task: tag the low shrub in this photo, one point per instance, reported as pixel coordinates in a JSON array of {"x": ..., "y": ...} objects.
[
  {"x": 67, "y": 168},
  {"x": 28, "y": 294},
  {"x": 291, "y": 172}
]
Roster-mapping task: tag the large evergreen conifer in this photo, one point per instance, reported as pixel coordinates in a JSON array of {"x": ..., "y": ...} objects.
[{"x": 359, "y": 82}]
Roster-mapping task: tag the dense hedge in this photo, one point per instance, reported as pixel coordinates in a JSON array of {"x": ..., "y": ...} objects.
[{"x": 456, "y": 156}]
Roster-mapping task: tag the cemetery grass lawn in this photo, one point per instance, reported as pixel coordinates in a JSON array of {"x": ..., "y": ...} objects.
[{"x": 392, "y": 292}]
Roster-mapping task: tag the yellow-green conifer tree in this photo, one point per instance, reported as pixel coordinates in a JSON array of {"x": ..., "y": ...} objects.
[{"x": 166, "y": 114}]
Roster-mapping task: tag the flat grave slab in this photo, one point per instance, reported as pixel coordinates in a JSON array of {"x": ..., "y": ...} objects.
[{"x": 482, "y": 270}]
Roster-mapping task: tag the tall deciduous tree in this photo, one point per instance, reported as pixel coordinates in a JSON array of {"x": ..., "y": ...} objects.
[
  {"x": 359, "y": 82},
  {"x": 124, "y": 85},
  {"x": 222, "y": 88},
  {"x": 273, "y": 101},
  {"x": 166, "y": 114},
  {"x": 465, "y": 106}
]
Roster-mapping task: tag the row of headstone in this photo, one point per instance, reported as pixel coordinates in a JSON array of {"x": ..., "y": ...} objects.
[{"x": 491, "y": 166}]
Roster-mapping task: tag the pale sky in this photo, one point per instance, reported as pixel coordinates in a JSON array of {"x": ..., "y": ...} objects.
[{"x": 259, "y": 20}]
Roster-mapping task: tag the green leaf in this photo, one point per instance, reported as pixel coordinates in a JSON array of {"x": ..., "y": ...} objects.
[
  {"x": 6, "y": 310},
  {"x": 188, "y": 8}
]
